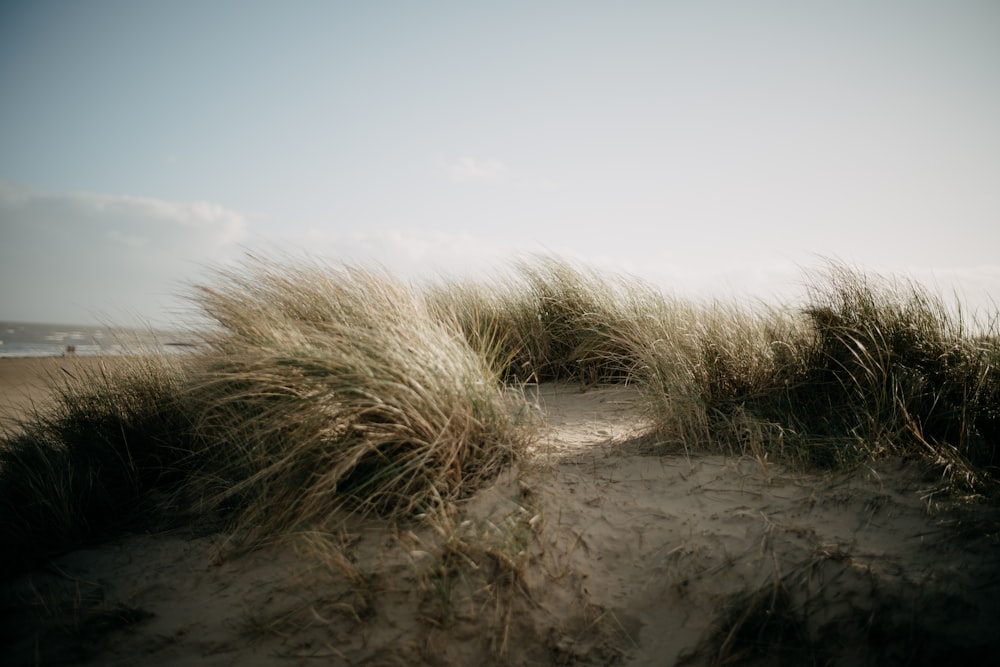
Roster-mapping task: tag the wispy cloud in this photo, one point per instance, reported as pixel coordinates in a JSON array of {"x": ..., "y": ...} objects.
[
  {"x": 132, "y": 217},
  {"x": 74, "y": 255},
  {"x": 475, "y": 170}
]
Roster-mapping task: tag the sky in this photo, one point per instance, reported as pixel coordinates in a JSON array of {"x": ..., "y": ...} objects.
[{"x": 716, "y": 149}]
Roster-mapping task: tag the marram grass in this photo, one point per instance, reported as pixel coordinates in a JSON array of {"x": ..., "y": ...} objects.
[
  {"x": 868, "y": 367},
  {"x": 324, "y": 388},
  {"x": 317, "y": 389},
  {"x": 549, "y": 320},
  {"x": 91, "y": 464}
]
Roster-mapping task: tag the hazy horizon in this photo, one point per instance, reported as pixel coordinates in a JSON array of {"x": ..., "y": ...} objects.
[{"x": 714, "y": 149}]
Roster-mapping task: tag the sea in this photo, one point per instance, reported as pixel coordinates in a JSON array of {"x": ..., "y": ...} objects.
[{"x": 23, "y": 339}]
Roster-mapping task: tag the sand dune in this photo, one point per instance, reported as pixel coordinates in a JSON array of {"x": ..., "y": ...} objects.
[{"x": 598, "y": 549}]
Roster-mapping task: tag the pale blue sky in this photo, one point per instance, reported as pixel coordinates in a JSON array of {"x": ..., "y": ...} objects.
[{"x": 714, "y": 147}]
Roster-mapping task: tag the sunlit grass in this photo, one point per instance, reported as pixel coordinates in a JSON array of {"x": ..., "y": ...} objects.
[{"x": 337, "y": 387}]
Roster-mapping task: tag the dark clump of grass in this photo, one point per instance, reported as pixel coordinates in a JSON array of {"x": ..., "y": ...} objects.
[
  {"x": 883, "y": 368},
  {"x": 85, "y": 467},
  {"x": 759, "y": 627},
  {"x": 57, "y": 619},
  {"x": 790, "y": 619},
  {"x": 901, "y": 372},
  {"x": 869, "y": 368}
]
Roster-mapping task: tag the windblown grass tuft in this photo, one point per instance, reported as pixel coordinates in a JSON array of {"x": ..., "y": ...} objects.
[
  {"x": 701, "y": 369},
  {"x": 326, "y": 388},
  {"x": 900, "y": 372},
  {"x": 868, "y": 368},
  {"x": 549, "y": 321}
]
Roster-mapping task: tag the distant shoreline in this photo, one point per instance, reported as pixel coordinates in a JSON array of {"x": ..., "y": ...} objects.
[{"x": 33, "y": 340}]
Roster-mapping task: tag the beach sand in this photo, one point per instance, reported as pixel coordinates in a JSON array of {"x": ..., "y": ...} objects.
[{"x": 597, "y": 549}]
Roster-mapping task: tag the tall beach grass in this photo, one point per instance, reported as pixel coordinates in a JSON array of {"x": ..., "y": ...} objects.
[
  {"x": 548, "y": 320},
  {"x": 321, "y": 388},
  {"x": 868, "y": 367},
  {"x": 328, "y": 387},
  {"x": 90, "y": 464},
  {"x": 316, "y": 389}
]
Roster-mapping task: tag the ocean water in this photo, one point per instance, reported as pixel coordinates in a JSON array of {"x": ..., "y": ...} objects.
[{"x": 21, "y": 339}]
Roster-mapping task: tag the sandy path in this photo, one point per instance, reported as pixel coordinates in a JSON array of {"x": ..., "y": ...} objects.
[
  {"x": 576, "y": 422},
  {"x": 668, "y": 543}
]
